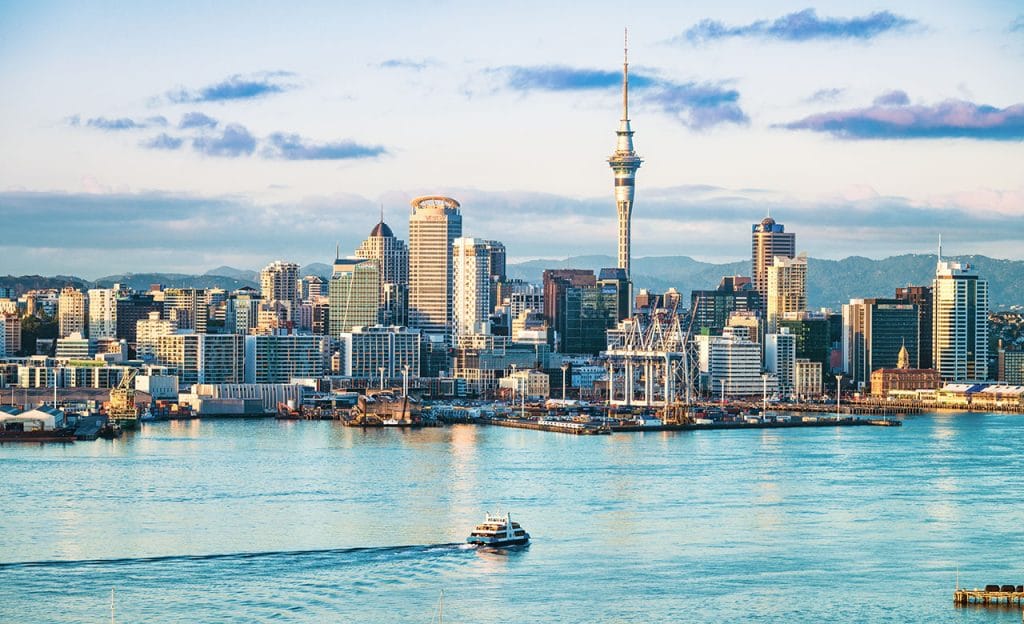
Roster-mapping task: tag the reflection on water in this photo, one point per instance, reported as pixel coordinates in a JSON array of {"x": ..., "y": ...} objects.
[{"x": 241, "y": 521}]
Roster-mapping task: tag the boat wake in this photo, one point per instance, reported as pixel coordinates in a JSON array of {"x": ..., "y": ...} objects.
[{"x": 240, "y": 556}]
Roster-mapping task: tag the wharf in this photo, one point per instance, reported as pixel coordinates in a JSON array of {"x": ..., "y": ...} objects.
[
  {"x": 765, "y": 424},
  {"x": 560, "y": 427},
  {"x": 986, "y": 597},
  {"x": 88, "y": 427}
]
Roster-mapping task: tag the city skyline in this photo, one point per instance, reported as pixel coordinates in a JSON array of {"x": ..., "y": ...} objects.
[{"x": 144, "y": 155}]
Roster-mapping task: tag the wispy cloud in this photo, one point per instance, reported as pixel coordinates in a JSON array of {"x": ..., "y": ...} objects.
[
  {"x": 892, "y": 98},
  {"x": 696, "y": 105},
  {"x": 803, "y": 25},
  {"x": 826, "y": 95},
  {"x": 162, "y": 141},
  {"x": 236, "y": 87},
  {"x": 405, "y": 63},
  {"x": 196, "y": 120},
  {"x": 1018, "y": 24},
  {"x": 891, "y": 117},
  {"x": 119, "y": 123},
  {"x": 235, "y": 140},
  {"x": 294, "y": 147}
]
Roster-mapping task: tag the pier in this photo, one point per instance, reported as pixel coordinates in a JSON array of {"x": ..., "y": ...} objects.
[{"x": 992, "y": 595}]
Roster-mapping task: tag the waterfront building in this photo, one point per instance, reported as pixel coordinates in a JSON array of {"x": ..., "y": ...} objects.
[
  {"x": 240, "y": 399},
  {"x": 812, "y": 331},
  {"x": 769, "y": 240},
  {"x": 471, "y": 281},
  {"x": 960, "y": 323},
  {"x": 534, "y": 385},
  {"x": 365, "y": 350},
  {"x": 921, "y": 296},
  {"x": 76, "y": 347},
  {"x": 903, "y": 378},
  {"x": 354, "y": 295},
  {"x": 279, "y": 282},
  {"x": 280, "y": 358},
  {"x": 787, "y": 288},
  {"x": 434, "y": 225},
  {"x": 10, "y": 327},
  {"x": 1010, "y": 363},
  {"x": 71, "y": 313},
  {"x": 807, "y": 378},
  {"x": 132, "y": 308},
  {"x": 874, "y": 331},
  {"x": 203, "y": 358},
  {"x": 713, "y": 307},
  {"x": 734, "y": 366},
  {"x": 780, "y": 360},
  {"x": 481, "y": 360},
  {"x": 186, "y": 307},
  {"x": 102, "y": 313},
  {"x": 624, "y": 163}
]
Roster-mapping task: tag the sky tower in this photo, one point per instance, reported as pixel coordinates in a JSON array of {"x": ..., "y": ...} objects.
[{"x": 624, "y": 162}]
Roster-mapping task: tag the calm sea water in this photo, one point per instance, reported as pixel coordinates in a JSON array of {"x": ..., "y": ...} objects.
[{"x": 243, "y": 521}]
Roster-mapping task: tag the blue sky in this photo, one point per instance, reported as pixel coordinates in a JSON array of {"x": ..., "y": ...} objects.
[{"x": 182, "y": 137}]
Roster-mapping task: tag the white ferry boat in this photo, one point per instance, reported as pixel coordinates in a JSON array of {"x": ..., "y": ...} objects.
[{"x": 498, "y": 530}]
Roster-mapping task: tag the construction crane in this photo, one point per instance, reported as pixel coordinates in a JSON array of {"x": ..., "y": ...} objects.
[{"x": 122, "y": 409}]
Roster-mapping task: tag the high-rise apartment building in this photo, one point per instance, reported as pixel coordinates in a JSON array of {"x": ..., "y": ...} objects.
[
  {"x": 102, "y": 313},
  {"x": 204, "y": 358},
  {"x": 71, "y": 313},
  {"x": 365, "y": 350},
  {"x": 279, "y": 282},
  {"x": 132, "y": 308},
  {"x": 769, "y": 240},
  {"x": 960, "y": 323},
  {"x": 276, "y": 359},
  {"x": 148, "y": 332},
  {"x": 874, "y": 331},
  {"x": 787, "y": 288},
  {"x": 10, "y": 326},
  {"x": 187, "y": 308},
  {"x": 471, "y": 286},
  {"x": 624, "y": 163},
  {"x": 921, "y": 296},
  {"x": 353, "y": 295},
  {"x": 780, "y": 359},
  {"x": 434, "y": 224},
  {"x": 734, "y": 365}
]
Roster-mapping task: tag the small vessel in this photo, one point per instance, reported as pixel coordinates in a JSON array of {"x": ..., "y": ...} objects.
[{"x": 497, "y": 530}]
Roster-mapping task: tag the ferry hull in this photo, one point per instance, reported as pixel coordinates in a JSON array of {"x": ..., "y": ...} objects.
[{"x": 498, "y": 543}]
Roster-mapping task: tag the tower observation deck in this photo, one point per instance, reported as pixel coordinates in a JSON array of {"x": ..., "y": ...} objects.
[{"x": 624, "y": 163}]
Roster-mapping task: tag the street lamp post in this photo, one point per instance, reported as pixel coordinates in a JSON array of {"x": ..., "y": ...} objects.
[
  {"x": 514, "y": 382},
  {"x": 405, "y": 380},
  {"x": 381, "y": 369},
  {"x": 721, "y": 382},
  {"x": 565, "y": 367},
  {"x": 838, "y": 394}
]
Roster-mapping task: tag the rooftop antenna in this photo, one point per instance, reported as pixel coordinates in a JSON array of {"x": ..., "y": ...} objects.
[
  {"x": 382, "y": 212},
  {"x": 337, "y": 250},
  {"x": 940, "y": 247},
  {"x": 625, "y": 74}
]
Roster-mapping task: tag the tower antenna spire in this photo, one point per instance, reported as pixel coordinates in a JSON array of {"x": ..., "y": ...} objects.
[
  {"x": 940, "y": 247},
  {"x": 382, "y": 212},
  {"x": 625, "y": 74}
]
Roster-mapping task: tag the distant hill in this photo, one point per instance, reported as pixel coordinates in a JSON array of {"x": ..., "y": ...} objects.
[
  {"x": 23, "y": 283},
  {"x": 239, "y": 274},
  {"x": 830, "y": 283},
  {"x": 317, "y": 268},
  {"x": 142, "y": 281}
]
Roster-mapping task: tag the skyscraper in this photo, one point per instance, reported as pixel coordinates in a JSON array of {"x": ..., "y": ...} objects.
[
  {"x": 471, "y": 285},
  {"x": 186, "y": 307},
  {"x": 921, "y": 296},
  {"x": 279, "y": 282},
  {"x": 787, "y": 288},
  {"x": 392, "y": 258},
  {"x": 354, "y": 295},
  {"x": 874, "y": 332},
  {"x": 434, "y": 224},
  {"x": 769, "y": 240},
  {"x": 960, "y": 323},
  {"x": 624, "y": 163}
]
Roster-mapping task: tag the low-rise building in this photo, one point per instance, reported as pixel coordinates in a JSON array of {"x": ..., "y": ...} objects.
[{"x": 534, "y": 385}]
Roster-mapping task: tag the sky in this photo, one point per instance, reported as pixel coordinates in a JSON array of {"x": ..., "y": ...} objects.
[{"x": 178, "y": 137}]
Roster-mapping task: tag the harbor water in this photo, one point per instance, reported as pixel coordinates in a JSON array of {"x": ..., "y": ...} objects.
[{"x": 263, "y": 520}]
